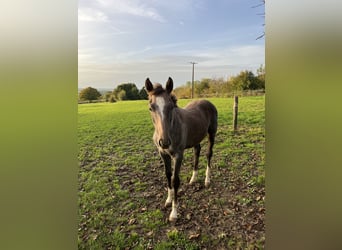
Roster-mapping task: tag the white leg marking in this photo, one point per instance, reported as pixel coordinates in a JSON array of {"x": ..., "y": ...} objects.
[
  {"x": 170, "y": 193},
  {"x": 194, "y": 176},
  {"x": 207, "y": 177},
  {"x": 173, "y": 214}
]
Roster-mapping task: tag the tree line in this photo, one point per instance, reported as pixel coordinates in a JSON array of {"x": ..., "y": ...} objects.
[
  {"x": 219, "y": 87},
  {"x": 124, "y": 91},
  {"x": 245, "y": 81}
]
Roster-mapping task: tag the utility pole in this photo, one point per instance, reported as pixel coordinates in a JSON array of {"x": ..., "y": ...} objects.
[{"x": 192, "y": 85}]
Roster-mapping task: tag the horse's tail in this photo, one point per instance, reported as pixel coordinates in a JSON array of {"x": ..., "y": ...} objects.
[{"x": 213, "y": 121}]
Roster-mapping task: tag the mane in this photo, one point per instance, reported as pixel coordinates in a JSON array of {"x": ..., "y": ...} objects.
[
  {"x": 158, "y": 89},
  {"x": 174, "y": 99}
]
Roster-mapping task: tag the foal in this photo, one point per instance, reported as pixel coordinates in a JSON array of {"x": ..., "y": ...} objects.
[{"x": 177, "y": 129}]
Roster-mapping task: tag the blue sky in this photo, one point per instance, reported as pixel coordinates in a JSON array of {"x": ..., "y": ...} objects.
[{"x": 129, "y": 40}]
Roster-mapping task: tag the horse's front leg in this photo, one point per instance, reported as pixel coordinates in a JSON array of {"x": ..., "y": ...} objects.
[
  {"x": 168, "y": 172},
  {"x": 175, "y": 182}
]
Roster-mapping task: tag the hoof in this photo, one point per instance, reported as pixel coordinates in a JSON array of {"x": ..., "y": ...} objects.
[
  {"x": 207, "y": 184},
  {"x": 173, "y": 214},
  {"x": 192, "y": 182},
  {"x": 172, "y": 219}
]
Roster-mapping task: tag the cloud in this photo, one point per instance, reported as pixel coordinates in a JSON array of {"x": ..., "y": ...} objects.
[
  {"x": 91, "y": 15},
  {"x": 133, "y": 53},
  {"x": 248, "y": 51},
  {"x": 132, "y": 7},
  {"x": 216, "y": 62}
]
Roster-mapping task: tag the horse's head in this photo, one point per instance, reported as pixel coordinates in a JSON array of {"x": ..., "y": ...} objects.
[{"x": 162, "y": 103}]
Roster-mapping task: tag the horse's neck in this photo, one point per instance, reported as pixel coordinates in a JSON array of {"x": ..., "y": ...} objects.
[
  {"x": 180, "y": 117},
  {"x": 178, "y": 130},
  {"x": 178, "y": 114}
]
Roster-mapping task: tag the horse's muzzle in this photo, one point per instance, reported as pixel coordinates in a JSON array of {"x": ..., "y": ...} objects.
[{"x": 164, "y": 143}]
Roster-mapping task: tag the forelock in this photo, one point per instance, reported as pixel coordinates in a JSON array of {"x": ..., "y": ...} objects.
[{"x": 158, "y": 90}]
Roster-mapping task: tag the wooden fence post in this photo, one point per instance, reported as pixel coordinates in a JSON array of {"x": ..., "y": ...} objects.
[{"x": 235, "y": 111}]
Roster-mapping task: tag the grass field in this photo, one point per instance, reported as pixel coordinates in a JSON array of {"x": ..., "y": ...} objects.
[{"x": 122, "y": 186}]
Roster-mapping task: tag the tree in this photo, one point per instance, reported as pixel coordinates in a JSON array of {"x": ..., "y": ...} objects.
[
  {"x": 202, "y": 86},
  {"x": 108, "y": 96},
  {"x": 131, "y": 92},
  {"x": 218, "y": 86},
  {"x": 143, "y": 94},
  {"x": 261, "y": 76},
  {"x": 183, "y": 92},
  {"x": 245, "y": 81},
  {"x": 119, "y": 94},
  {"x": 89, "y": 94}
]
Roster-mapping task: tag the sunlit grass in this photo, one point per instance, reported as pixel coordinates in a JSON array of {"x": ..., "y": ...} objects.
[{"x": 116, "y": 148}]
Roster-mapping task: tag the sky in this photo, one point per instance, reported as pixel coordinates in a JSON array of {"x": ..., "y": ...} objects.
[{"x": 126, "y": 41}]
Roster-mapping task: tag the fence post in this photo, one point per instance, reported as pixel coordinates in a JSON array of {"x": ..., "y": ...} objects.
[{"x": 235, "y": 112}]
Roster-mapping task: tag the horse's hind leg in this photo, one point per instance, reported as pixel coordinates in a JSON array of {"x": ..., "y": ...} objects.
[
  {"x": 197, "y": 150},
  {"x": 209, "y": 155}
]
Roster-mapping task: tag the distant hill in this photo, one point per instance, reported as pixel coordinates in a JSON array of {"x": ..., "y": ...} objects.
[{"x": 101, "y": 90}]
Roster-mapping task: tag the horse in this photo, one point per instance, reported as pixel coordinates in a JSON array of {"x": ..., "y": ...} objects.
[{"x": 177, "y": 129}]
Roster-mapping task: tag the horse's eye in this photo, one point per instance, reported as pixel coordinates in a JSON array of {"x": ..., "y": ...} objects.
[{"x": 152, "y": 107}]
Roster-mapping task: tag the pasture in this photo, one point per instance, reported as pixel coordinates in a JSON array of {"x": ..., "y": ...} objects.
[{"x": 122, "y": 185}]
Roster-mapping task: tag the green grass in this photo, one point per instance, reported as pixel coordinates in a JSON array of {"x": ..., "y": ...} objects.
[{"x": 121, "y": 183}]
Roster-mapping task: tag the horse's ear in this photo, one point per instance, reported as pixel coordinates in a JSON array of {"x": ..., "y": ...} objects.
[
  {"x": 148, "y": 85},
  {"x": 169, "y": 85}
]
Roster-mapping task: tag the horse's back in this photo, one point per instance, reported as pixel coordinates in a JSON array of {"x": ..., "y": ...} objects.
[
  {"x": 204, "y": 106},
  {"x": 208, "y": 110}
]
